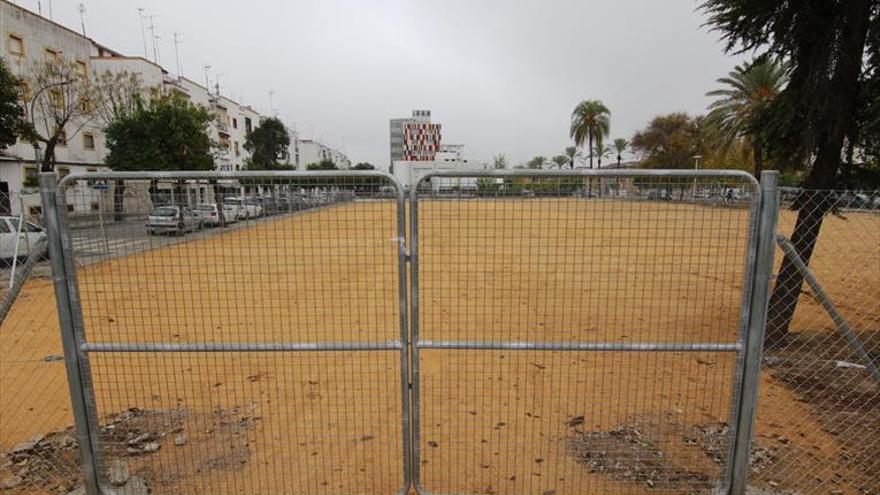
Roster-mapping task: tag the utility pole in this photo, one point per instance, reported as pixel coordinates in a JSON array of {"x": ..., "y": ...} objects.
[
  {"x": 177, "y": 53},
  {"x": 271, "y": 92},
  {"x": 217, "y": 84},
  {"x": 143, "y": 33},
  {"x": 82, "y": 12}
]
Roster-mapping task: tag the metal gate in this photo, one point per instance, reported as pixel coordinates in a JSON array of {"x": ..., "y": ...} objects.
[
  {"x": 252, "y": 348},
  {"x": 571, "y": 332},
  {"x": 586, "y": 332}
]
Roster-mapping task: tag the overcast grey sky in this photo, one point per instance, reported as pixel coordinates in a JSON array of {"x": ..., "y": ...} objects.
[{"x": 502, "y": 76}]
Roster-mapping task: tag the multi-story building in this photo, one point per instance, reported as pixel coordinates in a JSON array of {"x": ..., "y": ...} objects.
[
  {"x": 27, "y": 39},
  {"x": 414, "y": 138},
  {"x": 309, "y": 151}
]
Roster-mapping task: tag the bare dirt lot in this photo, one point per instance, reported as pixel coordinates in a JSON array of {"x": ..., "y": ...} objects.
[{"x": 545, "y": 422}]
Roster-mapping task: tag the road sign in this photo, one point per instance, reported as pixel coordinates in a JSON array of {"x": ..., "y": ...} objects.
[{"x": 100, "y": 185}]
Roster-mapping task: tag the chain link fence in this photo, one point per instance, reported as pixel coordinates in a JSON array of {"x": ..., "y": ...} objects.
[
  {"x": 818, "y": 422},
  {"x": 324, "y": 416}
]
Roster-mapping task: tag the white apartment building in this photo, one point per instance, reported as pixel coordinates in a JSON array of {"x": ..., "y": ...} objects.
[
  {"x": 307, "y": 151},
  {"x": 27, "y": 39}
]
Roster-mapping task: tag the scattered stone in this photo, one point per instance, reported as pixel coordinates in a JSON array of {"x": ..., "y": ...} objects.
[
  {"x": 152, "y": 447},
  {"x": 11, "y": 482},
  {"x": 119, "y": 473},
  {"x": 53, "y": 357},
  {"x": 367, "y": 438},
  {"x": 180, "y": 440},
  {"x": 576, "y": 421},
  {"x": 433, "y": 444},
  {"x": 146, "y": 437},
  {"x": 135, "y": 486},
  {"x": 27, "y": 445}
]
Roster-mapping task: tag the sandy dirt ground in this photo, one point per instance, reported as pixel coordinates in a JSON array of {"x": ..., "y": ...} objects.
[{"x": 490, "y": 421}]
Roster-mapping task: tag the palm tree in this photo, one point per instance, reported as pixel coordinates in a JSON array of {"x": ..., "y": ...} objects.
[
  {"x": 590, "y": 121},
  {"x": 536, "y": 162},
  {"x": 572, "y": 153},
  {"x": 748, "y": 91},
  {"x": 560, "y": 161},
  {"x": 620, "y": 145},
  {"x": 601, "y": 150}
]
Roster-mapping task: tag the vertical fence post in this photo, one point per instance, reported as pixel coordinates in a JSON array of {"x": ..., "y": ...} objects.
[
  {"x": 768, "y": 215},
  {"x": 72, "y": 363}
]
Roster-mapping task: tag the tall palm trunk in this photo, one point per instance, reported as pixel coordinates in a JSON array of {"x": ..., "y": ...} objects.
[
  {"x": 835, "y": 117},
  {"x": 590, "y": 149},
  {"x": 759, "y": 159},
  {"x": 618, "y": 160}
]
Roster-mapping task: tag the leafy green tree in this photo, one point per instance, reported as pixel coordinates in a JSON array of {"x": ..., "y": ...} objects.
[
  {"x": 741, "y": 105},
  {"x": 669, "y": 141},
  {"x": 620, "y": 146},
  {"x": 268, "y": 145},
  {"x": 170, "y": 133},
  {"x": 324, "y": 164},
  {"x": 590, "y": 121},
  {"x": 560, "y": 161},
  {"x": 572, "y": 153},
  {"x": 832, "y": 47},
  {"x": 364, "y": 166},
  {"x": 536, "y": 162},
  {"x": 12, "y": 122}
]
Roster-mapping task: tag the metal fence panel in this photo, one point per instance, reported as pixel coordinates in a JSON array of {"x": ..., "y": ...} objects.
[
  {"x": 818, "y": 422},
  {"x": 579, "y": 332},
  {"x": 254, "y": 348}
]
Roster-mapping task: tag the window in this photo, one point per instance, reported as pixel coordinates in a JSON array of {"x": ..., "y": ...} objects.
[
  {"x": 235, "y": 123},
  {"x": 30, "y": 174},
  {"x": 88, "y": 141},
  {"x": 63, "y": 172},
  {"x": 62, "y": 138},
  {"x": 237, "y": 151},
  {"x": 35, "y": 211},
  {"x": 82, "y": 70},
  {"x": 4, "y": 227},
  {"x": 85, "y": 104},
  {"x": 248, "y": 125},
  {"x": 52, "y": 56},
  {"x": 15, "y": 45}
]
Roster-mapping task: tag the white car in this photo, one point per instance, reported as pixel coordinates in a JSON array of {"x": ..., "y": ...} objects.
[
  {"x": 251, "y": 207},
  {"x": 209, "y": 215},
  {"x": 172, "y": 219},
  {"x": 31, "y": 238}
]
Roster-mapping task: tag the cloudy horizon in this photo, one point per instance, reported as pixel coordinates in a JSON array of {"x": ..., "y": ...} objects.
[{"x": 499, "y": 77}]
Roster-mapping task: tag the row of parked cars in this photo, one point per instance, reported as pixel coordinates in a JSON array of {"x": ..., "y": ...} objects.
[{"x": 173, "y": 219}]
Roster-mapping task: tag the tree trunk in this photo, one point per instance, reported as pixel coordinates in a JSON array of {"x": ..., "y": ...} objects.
[
  {"x": 590, "y": 149},
  {"x": 759, "y": 159},
  {"x": 119, "y": 200},
  {"x": 218, "y": 200},
  {"x": 838, "y": 112},
  {"x": 618, "y": 160},
  {"x": 48, "y": 162}
]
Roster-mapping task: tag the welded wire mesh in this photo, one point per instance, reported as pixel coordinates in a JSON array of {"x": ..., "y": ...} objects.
[
  {"x": 250, "y": 347},
  {"x": 38, "y": 453},
  {"x": 559, "y": 328},
  {"x": 818, "y": 423}
]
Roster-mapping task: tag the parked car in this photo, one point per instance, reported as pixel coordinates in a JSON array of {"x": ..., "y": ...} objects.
[
  {"x": 172, "y": 219},
  {"x": 32, "y": 237},
  {"x": 268, "y": 203},
  {"x": 250, "y": 206},
  {"x": 210, "y": 215}
]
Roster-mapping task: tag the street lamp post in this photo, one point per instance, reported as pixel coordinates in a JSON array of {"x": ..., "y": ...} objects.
[{"x": 696, "y": 166}]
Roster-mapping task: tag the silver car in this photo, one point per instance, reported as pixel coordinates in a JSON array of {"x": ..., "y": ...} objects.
[
  {"x": 172, "y": 219},
  {"x": 210, "y": 216},
  {"x": 15, "y": 241}
]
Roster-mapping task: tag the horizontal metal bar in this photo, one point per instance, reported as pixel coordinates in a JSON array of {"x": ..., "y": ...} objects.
[
  {"x": 390, "y": 345},
  {"x": 600, "y": 173},
  {"x": 579, "y": 346}
]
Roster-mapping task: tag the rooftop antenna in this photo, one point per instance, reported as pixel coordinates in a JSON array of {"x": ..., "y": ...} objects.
[
  {"x": 217, "y": 84},
  {"x": 206, "y": 68},
  {"x": 177, "y": 53},
  {"x": 39, "y": 7},
  {"x": 154, "y": 38},
  {"x": 143, "y": 33},
  {"x": 82, "y": 12},
  {"x": 51, "y": 18}
]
